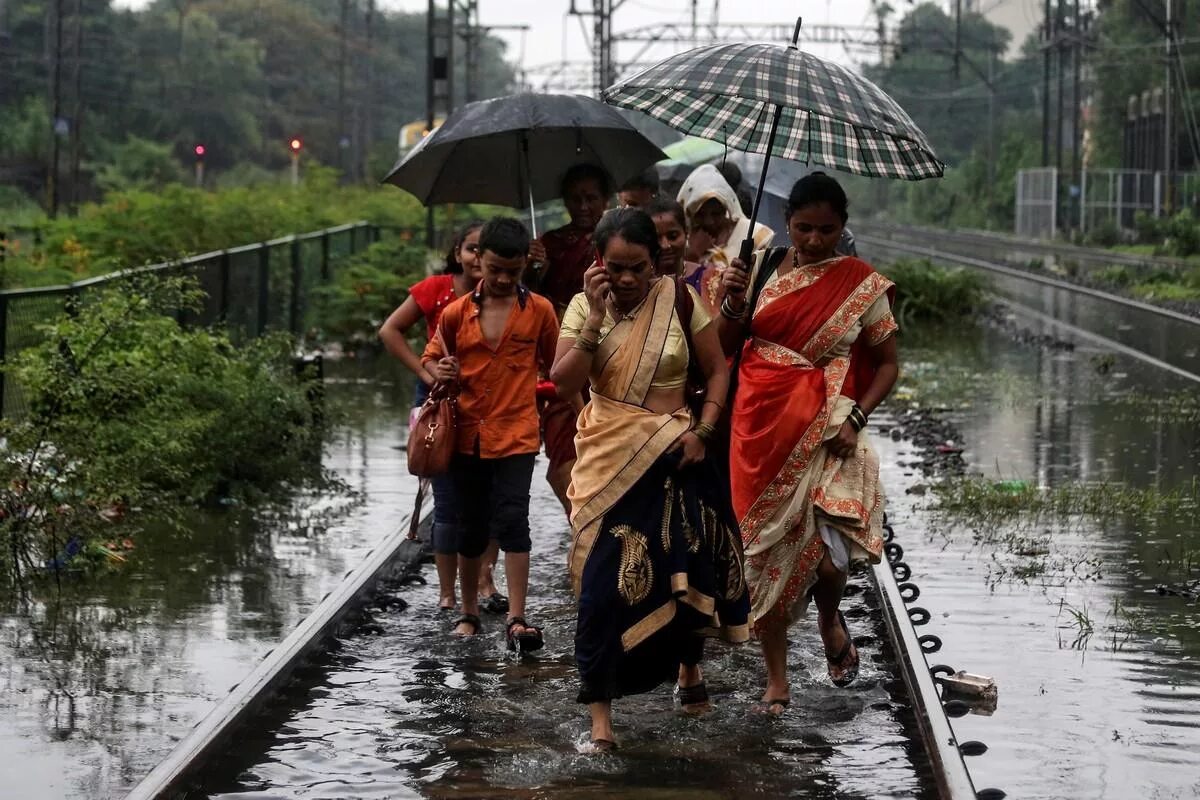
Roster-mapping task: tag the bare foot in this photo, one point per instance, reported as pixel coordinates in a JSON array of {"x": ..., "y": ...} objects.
[
  {"x": 448, "y": 602},
  {"x": 467, "y": 625}
]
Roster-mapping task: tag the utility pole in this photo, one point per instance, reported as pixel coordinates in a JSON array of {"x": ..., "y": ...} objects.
[
  {"x": 1077, "y": 110},
  {"x": 439, "y": 78},
  {"x": 957, "y": 39},
  {"x": 56, "y": 108},
  {"x": 1047, "y": 44},
  {"x": 77, "y": 113},
  {"x": 1169, "y": 116},
  {"x": 695, "y": 22},
  {"x": 342, "y": 138},
  {"x": 367, "y": 104},
  {"x": 1059, "y": 49}
]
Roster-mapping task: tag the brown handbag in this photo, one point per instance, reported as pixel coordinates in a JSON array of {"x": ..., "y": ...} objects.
[{"x": 432, "y": 438}]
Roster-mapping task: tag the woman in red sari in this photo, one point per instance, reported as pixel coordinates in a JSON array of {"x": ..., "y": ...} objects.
[{"x": 818, "y": 355}]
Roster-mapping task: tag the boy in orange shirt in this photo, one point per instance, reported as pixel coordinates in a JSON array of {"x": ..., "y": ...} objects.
[{"x": 492, "y": 342}]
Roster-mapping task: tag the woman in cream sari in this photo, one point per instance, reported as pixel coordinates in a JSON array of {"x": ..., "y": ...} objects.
[
  {"x": 656, "y": 558},
  {"x": 818, "y": 355}
]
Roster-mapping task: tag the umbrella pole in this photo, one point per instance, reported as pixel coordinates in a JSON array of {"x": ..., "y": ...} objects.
[
  {"x": 529, "y": 185},
  {"x": 748, "y": 245}
]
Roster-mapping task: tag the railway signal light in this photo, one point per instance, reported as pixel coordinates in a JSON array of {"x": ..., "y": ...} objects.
[
  {"x": 296, "y": 145},
  {"x": 200, "y": 150}
]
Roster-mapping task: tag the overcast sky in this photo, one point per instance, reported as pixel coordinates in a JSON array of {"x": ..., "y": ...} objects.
[{"x": 554, "y": 35}]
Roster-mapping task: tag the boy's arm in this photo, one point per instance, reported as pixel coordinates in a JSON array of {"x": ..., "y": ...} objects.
[{"x": 435, "y": 349}]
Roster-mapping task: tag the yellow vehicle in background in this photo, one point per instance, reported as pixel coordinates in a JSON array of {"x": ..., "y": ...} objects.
[{"x": 414, "y": 132}]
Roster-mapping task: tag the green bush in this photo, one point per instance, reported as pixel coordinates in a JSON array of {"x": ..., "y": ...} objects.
[
  {"x": 128, "y": 410},
  {"x": 366, "y": 289},
  {"x": 929, "y": 292},
  {"x": 132, "y": 228}
]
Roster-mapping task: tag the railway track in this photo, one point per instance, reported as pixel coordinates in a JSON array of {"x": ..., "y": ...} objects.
[{"x": 1160, "y": 337}]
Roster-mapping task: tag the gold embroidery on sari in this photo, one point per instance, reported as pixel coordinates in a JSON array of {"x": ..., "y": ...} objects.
[
  {"x": 851, "y": 309},
  {"x": 636, "y": 573},
  {"x": 669, "y": 491}
]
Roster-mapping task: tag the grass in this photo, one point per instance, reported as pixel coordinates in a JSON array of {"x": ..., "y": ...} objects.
[
  {"x": 928, "y": 292},
  {"x": 995, "y": 501}
]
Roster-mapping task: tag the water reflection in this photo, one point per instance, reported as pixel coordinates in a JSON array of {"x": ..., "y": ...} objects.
[
  {"x": 98, "y": 680},
  {"x": 1099, "y": 676}
]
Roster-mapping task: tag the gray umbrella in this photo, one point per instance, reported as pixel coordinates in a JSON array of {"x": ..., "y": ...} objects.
[{"x": 515, "y": 150}]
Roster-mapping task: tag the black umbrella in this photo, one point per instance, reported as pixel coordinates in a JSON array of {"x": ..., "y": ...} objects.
[{"x": 515, "y": 150}]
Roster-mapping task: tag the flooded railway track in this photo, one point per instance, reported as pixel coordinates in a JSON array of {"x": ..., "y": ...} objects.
[
  {"x": 1160, "y": 337},
  {"x": 398, "y": 707}
]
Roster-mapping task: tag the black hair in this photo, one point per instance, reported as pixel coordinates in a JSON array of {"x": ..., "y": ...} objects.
[
  {"x": 633, "y": 225},
  {"x": 647, "y": 180},
  {"x": 814, "y": 188},
  {"x": 665, "y": 205},
  {"x": 504, "y": 236},
  {"x": 453, "y": 267},
  {"x": 586, "y": 172}
]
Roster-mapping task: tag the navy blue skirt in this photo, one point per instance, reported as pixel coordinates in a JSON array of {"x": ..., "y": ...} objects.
[{"x": 666, "y": 571}]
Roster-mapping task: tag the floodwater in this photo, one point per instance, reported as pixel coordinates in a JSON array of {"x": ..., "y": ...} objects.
[
  {"x": 1098, "y": 674},
  {"x": 405, "y": 709},
  {"x": 99, "y": 683}
]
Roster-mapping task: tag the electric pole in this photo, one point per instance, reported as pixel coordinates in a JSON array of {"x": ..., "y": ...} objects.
[
  {"x": 342, "y": 139},
  {"x": 1169, "y": 115},
  {"x": 1048, "y": 34},
  {"x": 56, "y": 108}
]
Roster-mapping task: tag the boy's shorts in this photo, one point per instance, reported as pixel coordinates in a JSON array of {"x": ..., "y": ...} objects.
[{"x": 492, "y": 495}]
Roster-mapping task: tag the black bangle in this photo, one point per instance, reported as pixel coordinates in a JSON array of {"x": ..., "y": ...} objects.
[{"x": 857, "y": 418}]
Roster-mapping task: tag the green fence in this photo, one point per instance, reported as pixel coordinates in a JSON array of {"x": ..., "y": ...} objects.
[{"x": 248, "y": 289}]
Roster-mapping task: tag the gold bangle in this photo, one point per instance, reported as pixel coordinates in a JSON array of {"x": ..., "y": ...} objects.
[{"x": 704, "y": 432}]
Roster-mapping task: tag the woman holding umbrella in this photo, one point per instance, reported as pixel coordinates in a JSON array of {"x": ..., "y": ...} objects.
[{"x": 821, "y": 356}]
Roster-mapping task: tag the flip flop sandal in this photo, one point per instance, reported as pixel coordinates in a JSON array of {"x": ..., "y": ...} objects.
[
  {"x": 851, "y": 672},
  {"x": 469, "y": 619},
  {"x": 525, "y": 642},
  {"x": 693, "y": 695},
  {"x": 495, "y": 603}
]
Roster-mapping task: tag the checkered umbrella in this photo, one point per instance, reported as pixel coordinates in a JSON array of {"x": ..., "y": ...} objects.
[
  {"x": 828, "y": 114},
  {"x": 819, "y": 112}
]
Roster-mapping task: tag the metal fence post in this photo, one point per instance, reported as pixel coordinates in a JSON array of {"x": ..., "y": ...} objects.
[
  {"x": 264, "y": 287},
  {"x": 297, "y": 277},
  {"x": 324, "y": 255},
  {"x": 223, "y": 267}
]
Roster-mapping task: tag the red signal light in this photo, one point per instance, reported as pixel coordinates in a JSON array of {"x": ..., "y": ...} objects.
[
  {"x": 200, "y": 151},
  {"x": 296, "y": 145}
]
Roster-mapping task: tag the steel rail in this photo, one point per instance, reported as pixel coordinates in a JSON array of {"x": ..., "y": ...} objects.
[
  {"x": 212, "y": 735},
  {"x": 1014, "y": 272},
  {"x": 953, "y": 780},
  {"x": 1133, "y": 352}
]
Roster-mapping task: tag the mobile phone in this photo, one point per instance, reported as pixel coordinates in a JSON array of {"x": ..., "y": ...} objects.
[{"x": 599, "y": 257}]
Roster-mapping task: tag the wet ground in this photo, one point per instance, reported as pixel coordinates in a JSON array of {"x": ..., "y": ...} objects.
[
  {"x": 406, "y": 709},
  {"x": 1099, "y": 674},
  {"x": 99, "y": 682}
]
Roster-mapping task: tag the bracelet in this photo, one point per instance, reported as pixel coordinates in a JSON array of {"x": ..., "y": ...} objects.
[
  {"x": 704, "y": 432},
  {"x": 728, "y": 311},
  {"x": 715, "y": 403},
  {"x": 586, "y": 345},
  {"x": 857, "y": 419}
]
